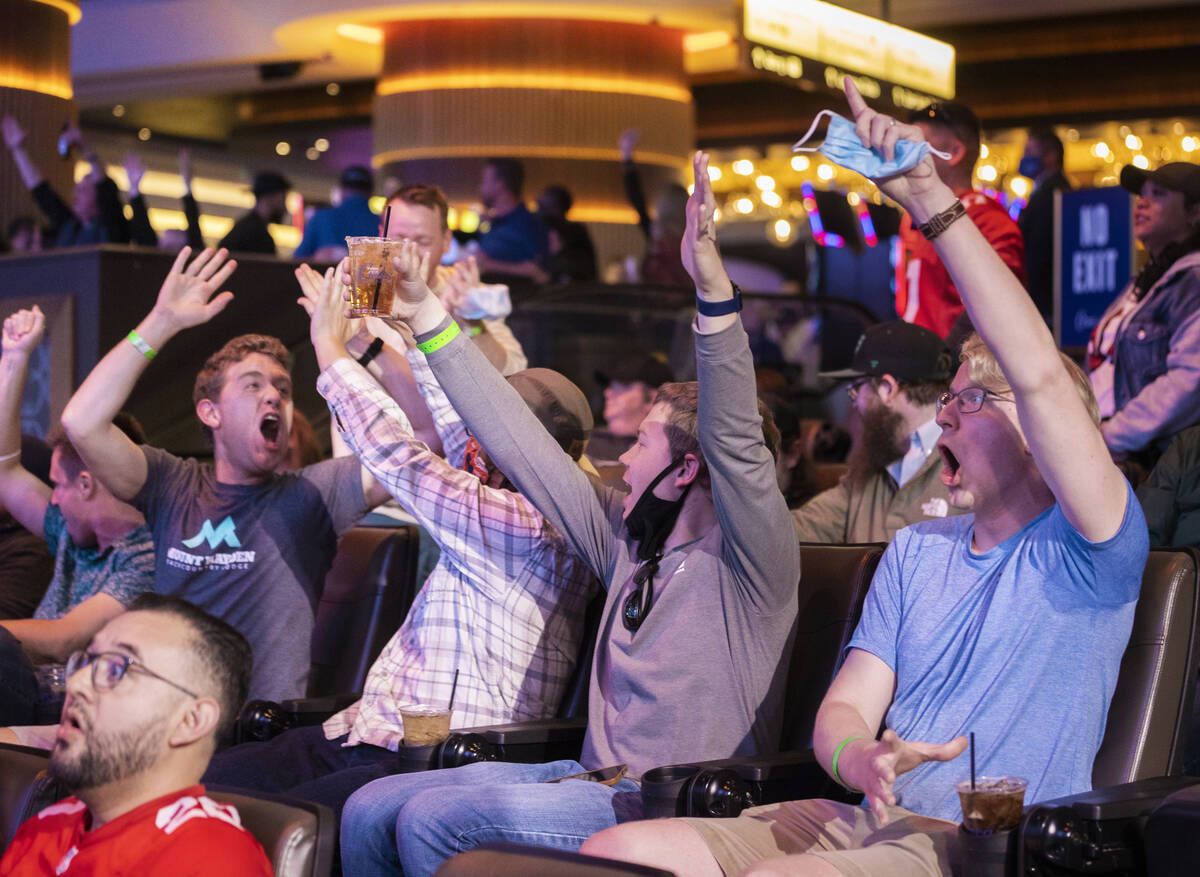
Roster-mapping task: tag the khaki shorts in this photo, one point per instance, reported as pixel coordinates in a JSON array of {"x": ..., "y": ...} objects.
[{"x": 849, "y": 838}]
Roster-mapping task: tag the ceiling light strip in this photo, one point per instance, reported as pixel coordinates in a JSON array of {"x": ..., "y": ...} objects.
[
  {"x": 542, "y": 81},
  {"x": 523, "y": 150}
]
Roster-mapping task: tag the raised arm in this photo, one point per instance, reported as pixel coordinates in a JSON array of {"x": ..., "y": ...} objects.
[
  {"x": 191, "y": 210},
  {"x": 496, "y": 415},
  {"x": 140, "y": 230},
  {"x": 14, "y": 139},
  {"x": 23, "y": 494},
  {"x": 1066, "y": 445},
  {"x": 328, "y": 329},
  {"x": 188, "y": 297},
  {"x": 759, "y": 537}
]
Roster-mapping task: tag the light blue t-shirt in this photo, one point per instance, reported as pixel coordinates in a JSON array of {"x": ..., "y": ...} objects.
[{"x": 1020, "y": 644}]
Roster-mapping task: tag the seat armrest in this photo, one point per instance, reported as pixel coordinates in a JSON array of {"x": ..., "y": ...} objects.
[
  {"x": 533, "y": 742},
  {"x": 315, "y": 710},
  {"x": 785, "y": 776},
  {"x": 1101, "y": 831},
  {"x": 547, "y": 731},
  {"x": 262, "y": 720}
]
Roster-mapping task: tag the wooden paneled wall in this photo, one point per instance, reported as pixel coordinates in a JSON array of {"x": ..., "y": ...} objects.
[{"x": 35, "y": 88}]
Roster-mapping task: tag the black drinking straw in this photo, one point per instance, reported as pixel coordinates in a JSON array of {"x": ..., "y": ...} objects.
[
  {"x": 387, "y": 214},
  {"x": 454, "y": 685},
  {"x": 972, "y": 761}
]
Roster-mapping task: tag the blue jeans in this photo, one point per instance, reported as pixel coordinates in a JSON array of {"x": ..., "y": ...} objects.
[{"x": 410, "y": 823}]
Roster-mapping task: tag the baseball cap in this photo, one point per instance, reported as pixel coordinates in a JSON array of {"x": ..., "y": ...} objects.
[
  {"x": 900, "y": 349},
  {"x": 558, "y": 404},
  {"x": 1178, "y": 176},
  {"x": 649, "y": 369},
  {"x": 269, "y": 182},
  {"x": 357, "y": 177}
]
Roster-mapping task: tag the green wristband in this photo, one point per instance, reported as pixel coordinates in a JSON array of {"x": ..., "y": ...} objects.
[
  {"x": 838, "y": 752},
  {"x": 140, "y": 345},
  {"x": 440, "y": 340}
]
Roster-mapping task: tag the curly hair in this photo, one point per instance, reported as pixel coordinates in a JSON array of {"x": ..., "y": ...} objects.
[{"x": 211, "y": 378}]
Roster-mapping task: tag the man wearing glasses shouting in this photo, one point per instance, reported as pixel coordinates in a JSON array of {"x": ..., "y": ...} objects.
[
  {"x": 701, "y": 565},
  {"x": 146, "y": 703}
]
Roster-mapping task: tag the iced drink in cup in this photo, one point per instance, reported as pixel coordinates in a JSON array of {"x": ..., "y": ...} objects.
[
  {"x": 995, "y": 804},
  {"x": 374, "y": 275},
  {"x": 425, "y": 724}
]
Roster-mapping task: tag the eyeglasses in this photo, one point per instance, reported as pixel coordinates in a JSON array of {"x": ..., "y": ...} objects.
[
  {"x": 637, "y": 604},
  {"x": 970, "y": 399},
  {"x": 854, "y": 387},
  {"x": 109, "y": 668}
]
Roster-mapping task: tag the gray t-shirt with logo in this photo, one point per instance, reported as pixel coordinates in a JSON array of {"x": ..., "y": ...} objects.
[{"x": 255, "y": 555}]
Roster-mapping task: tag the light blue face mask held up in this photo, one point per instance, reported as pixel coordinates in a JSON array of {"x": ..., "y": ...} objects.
[{"x": 843, "y": 147}]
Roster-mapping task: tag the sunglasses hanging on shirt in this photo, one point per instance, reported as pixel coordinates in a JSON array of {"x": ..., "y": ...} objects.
[{"x": 637, "y": 604}]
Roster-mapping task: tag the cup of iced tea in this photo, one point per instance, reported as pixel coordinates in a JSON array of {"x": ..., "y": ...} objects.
[
  {"x": 424, "y": 725},
  {"x": 994, "y": 804},
  {"x": 373, "y": 274}
]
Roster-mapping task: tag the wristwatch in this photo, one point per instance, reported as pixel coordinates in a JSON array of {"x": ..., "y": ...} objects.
[
  {"x": 939, "y": 222},
  {"x": 720, "y": 308},
  {"x": 371, "y": 352}
]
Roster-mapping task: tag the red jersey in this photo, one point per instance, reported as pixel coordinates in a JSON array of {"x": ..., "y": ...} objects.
[
  {"x": 183, "y": 834},
  {"x": 925, "y": 295}
]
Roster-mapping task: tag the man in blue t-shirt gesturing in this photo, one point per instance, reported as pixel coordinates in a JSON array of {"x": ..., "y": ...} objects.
[{"x": 968, "y": 617}]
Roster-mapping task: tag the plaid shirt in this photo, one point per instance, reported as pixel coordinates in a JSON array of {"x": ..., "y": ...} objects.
[{"x": 505, "y": 604}]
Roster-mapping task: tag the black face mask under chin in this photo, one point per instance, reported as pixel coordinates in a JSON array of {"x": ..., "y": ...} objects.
[{"x": 652, "y": 518}]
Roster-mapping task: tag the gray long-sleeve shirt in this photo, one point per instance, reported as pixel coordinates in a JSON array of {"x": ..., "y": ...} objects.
[{"x": 703, "y": 677}]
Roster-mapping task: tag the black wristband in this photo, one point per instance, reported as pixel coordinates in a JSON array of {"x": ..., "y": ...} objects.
[
  {"x": 371, "y": 352},
  {"x": 721, "y": 308}
]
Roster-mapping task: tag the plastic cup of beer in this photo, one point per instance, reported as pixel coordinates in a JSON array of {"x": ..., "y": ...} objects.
[
  {"x": 374, "y": 275},
  {"x": 995, "y": 804},
  {"x": 424, "y": 725}
]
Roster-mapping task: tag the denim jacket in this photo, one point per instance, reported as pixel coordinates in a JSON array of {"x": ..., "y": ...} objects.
[{"x": 1156, "y": 381}]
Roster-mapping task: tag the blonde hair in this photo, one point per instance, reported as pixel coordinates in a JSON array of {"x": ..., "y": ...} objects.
[{"x": 985, "y": 371}]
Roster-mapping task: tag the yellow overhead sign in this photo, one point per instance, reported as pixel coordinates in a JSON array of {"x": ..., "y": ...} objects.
[{"x": 832, "y": 35}]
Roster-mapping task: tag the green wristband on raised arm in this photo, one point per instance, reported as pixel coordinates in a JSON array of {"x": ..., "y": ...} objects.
[
  {"x": 838, "y": 752},
  {"x": 440, "y": 340}
]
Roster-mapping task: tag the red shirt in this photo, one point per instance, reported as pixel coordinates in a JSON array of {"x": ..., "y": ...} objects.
[
  {"x": 183, "y": 834},
  {"x": 925, "y": 295}
]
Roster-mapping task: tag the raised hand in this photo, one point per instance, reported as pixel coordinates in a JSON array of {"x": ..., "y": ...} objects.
[
  {"x": 874, "y": 767},
  {"x": 14, "y": 135},
  {"x": 698, "y": 249},
  {"x": 189, "y": 296},
  {"x": 881, "y": 132},
  {"x": 135, "y": 170},
  {"x": 330, "y": 328},
  {"x": 412, "y": 266},
  {"x": 185, "y": 169},
  {"x": 23, "y": 332},
  {"x": 457, "y": 281}
]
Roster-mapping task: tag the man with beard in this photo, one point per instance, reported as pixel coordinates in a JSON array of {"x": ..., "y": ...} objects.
[
  {"x": 700, "y": 561},
  {"x": 247, "y": 543},
  {"x": 250, "y": 233},
  {"x": 897, "y": 374},
  {"x": 145, "y": 705}
]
